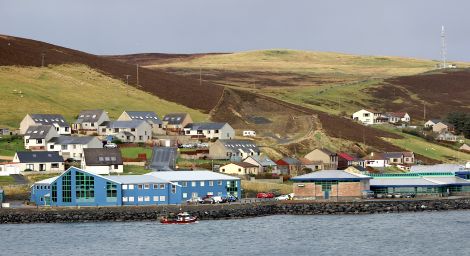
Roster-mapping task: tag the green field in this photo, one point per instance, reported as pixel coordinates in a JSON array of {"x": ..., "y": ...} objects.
[
  {"x": 6, "y": 180},
  {"x": 68, "y": 89},
  {"x": 9, "y": 145},
  {"x": 135, "y": 170},
  {"x": 133, "y": 152}
]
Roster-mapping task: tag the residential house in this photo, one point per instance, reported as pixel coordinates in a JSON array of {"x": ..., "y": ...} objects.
[
  {"x": 431, "y": 122},
  {"x": 264, "y": 163},
  {"x": 241, "y": 168},
  {"x": 41, "y": 161},
  {"x": 312, "y": 165},
  {"x": 330, "y": 185},
  {"x": 442, "y": 126},
  {"x": 328, "y": 158},
  {"x": 398, "y": 117},
  {"x": 233, "y": 150},
  {"x": 102, "y": 160},
  {"x": 376, "y": 160},
  {"x": 389, "y": 158},
  {"x": 447, "y": 136},
  {"x": 356, "y": 169},
  {"x": 5, "y": 131},
  {"x": 9, "y": 168},
  {"x": 72, "y": 146},
  {"x": 36, "y": 137},
  {"x": 175, "y": 122},
  {"x": 148, "y": 116},
  {"x": 344, "y": 160},
  {"x": 89, "y": 120},
  {"x": 465, "y": 147},
  {"x": 134, "y": 131},
  {"x": 209, "y": 130},
  {"x": 289, "y": 165},
  {"x": 58, "y": 121},
  {"x": 369, "y": 117}
]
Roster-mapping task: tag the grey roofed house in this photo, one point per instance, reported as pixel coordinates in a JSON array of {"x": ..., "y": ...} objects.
[
  {"x": 205, "y": 126},
  {"x": 39, "y": 157},
  {"x": 263, "y": 160},
  {"x": 47, "y": 119},
  {"x": 331, "y": 175},
  {"x": 38, "y": 131},
  {"x": 237, "y": 145},
  {"x": 148, "y": 116},
  {"x": 70, "y": 140},
  {"x": 291, "y": 161},
  {"x": 174, "y": 118},
  {"x": 163, "y": 159},
  {"x": 102, "y": 156},
  {"x": 89, "y": 116},
  {"x": 122, "y": 124}
]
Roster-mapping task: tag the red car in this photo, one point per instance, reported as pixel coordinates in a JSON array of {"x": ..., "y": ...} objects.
[{"x": 265, "y": 195}]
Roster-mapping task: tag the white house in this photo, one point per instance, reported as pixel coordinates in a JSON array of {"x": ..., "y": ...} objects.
[
  {"x": 249, "y": 133},
  {"x": 209, "y": 130},
  {"x": 36, "y": 137},
  {"x": 41, "y": 161},
  {"x": 431, "y": 122},
  {"x": 72, "y": 146},
  {"x": 9, "y": 168},
  {"x": 148, "y": 116},
  {"x": 376, "y": 160},
  {"x": 89, "y": 120},
  {"x": 241, "y": 168},
  {"x": 398, "y": 117},
  {"x": 369, "y": 117},
  {"x": 264, "y": 163},
  {"x": 127, "y": 131},
  {"x": 58, "y": 121},
  {"x": 102, "y": 160}
]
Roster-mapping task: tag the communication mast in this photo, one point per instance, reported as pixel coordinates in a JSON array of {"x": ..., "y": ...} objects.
[{"x": 443, "y": 48}]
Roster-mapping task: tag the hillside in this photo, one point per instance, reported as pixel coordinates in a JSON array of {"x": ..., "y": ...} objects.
[
  {"x": 182, "y": 90},
  {"x": 67, "y": 89}
]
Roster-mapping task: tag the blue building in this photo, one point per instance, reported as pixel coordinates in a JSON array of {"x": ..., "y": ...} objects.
[
  {"x": 201, "y": 183},
  {"x": 76, "y": 187}
]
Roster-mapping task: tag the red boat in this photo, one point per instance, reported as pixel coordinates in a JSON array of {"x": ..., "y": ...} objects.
[{"x": 181, "y": 218}]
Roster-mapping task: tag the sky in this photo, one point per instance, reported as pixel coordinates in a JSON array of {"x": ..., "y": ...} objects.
[{"x": 409, "y": 28}]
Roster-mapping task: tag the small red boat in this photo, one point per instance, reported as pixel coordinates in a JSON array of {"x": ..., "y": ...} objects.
[{"x": 181, "y": 218}]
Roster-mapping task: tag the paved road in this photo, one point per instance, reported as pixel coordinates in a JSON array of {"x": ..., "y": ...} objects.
[{"x": 19, "y": 179}]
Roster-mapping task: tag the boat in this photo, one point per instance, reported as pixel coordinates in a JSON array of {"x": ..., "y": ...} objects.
[{"x": 181, "y": 218}]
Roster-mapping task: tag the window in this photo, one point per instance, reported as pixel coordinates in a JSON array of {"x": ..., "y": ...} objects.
[
  {"x": 184, "y": 184},
  {"x": 194, "y": 195},
  {"x": 140, "y": 198},
  {"x": 162, "y": 199},
  {"x": 51, "y": 146},
  {"x": 131, "y": 186},
  {"x": 147, "y": 186},
  {"x": 223, "y": 169},
  {"x": 124, "y": 186},
  {"x": 111, "y": 190},
  {"x": 140, "y": 186},
  {"x": 173, "y": 188},
  {"x": 84, "y": 187},
  {"x": 67, "y": 188},
  {"x": 125, "y": 199},
  {"x": 239, "y": 169},
  {"x": 30, "y": 166},
  {"x": 162, "y": 186},
  {"x": 219, "y": 183},
  {"x": 39, "y": 141},
  {"x": 54, "y": 192},
  {"x": 133, "y": 129},
  {"x": 116, "y": 166},
  {"x": 27, "y": 141},
  {"x": 211, "y": 183},
  {"x": 55, "y": 165},
  {"x": 131, "y": 199},
  {"x": 63, "y": 147},
  {"x": 155, "y": 198},
  {"x": 185, "y": 195},
  {"x": 193, "y": 183},
  {"x": 202, "y": 183},
  {"x": 147, "y": 198}
]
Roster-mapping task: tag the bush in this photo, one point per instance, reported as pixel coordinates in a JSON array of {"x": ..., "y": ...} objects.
[
  {"x": 116, "y": 141},
  {"x": 27, "y": 170}
]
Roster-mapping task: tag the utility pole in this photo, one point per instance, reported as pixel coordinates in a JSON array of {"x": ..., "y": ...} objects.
[
  {"x": 137, "y": 83},
  {"x": 127, "y": 82},
  {"x": 43, "y": 55},
  {"x": 424, "y": 111}
]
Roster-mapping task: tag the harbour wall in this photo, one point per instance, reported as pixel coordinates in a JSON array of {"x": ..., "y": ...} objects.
[{"x": 225, "y": 211}]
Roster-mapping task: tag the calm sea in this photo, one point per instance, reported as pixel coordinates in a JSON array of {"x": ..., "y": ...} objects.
[{"x": 436, "y": 233}]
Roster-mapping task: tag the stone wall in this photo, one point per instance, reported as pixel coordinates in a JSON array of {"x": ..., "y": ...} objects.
[{"x": 208, "y": 212}]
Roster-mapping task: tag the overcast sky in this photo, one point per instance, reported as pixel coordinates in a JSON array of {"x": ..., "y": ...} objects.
[{"x": 372, "y": 27}]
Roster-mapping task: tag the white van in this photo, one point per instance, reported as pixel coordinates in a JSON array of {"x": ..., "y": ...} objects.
[{"x": 249, "y": 133}]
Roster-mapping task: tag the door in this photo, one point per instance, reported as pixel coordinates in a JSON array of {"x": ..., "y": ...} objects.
[
  {"x": 41, "y": 167},
  {"x": 326, "y": 194}
]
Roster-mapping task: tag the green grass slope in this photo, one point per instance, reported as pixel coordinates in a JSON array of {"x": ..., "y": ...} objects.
[{"x": 67, "y": 89}]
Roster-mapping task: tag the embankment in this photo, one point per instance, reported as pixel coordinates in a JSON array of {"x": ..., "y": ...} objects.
[{"x": 211, "y": 212}]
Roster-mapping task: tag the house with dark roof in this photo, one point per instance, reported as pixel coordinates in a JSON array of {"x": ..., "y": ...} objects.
[
  {"x": 175, "y": 122},
  {"x": 37, "y": 136},
  {"x": 264, "y": 163},
  {"x": 233, "y": 150},
  {"x": 40, "y": 161},
  {"x": 56, "y": 120},
  {"x": 344, "y": 160},
  {"x": 309, "y": 164},
  {"x": 88, "y": 121},
  {"x": 72, "y": 146},
  {"x": 240, "y": 168},
  {"x": 102, "y": 160},
  {"x": 209, "y": 130},
  {"x": 289, "y": 165},
  {"x": 398, "y": 117},
  {"x": 134, "y": 131},
  {"x": 386, "y": 159},
  {"x": 149, "y": 116},
  {"x": 431, "y": 122},
  {"x": 328, "y": 158},
  {"x": 442, "y": 127}
]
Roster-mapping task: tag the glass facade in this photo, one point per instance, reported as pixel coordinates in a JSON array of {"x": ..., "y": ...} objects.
[
  {"x": 326, "y": 185},
  {"x": 54, "y": 192},
  {"x": 84, "y": 187},
  {"x": 67, "y": 188},
  {"x": 111, "y": 192}
]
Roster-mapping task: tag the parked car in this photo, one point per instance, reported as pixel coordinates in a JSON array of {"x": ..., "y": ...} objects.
[
  {"x": 285, "y": 197},
  {"x": 195, "y": 200},
  {"x": 110, "y": 145},
  {"x": 231, "y": 198},
  {"x": 219, "y": 199},
  {"x": 265, "y": 195}
]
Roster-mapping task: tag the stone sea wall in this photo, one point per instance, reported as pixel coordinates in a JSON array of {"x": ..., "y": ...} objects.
[{"x": 233, "y": 211}]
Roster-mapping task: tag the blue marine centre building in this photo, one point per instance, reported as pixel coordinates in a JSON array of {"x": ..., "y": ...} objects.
[{"x": 77, "y": 187}]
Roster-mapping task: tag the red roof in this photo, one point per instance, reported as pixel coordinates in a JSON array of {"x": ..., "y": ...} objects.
[{"x": 345, "y": 156}]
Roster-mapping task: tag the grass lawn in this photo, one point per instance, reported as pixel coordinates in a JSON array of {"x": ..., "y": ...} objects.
[
  {"x": 133, "y": 152},
  {"x": 37, "y": 177},
  {"x": 135, "y": 170},
  {"x": 7, "y": 180},
  {"x": 9, "y": 145}
]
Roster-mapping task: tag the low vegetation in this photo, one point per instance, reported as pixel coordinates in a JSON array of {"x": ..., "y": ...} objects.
[
  {"x": 6, "y": 180},
  {"x": 133, "y": 152},
  {"x": 255, "y": 187},
  {"x": 135, "y": 170},
  {"x": 9, "y": 145}
]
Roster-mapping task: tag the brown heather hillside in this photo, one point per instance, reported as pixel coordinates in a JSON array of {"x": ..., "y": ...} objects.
[{"x": 186, "y": 91}]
